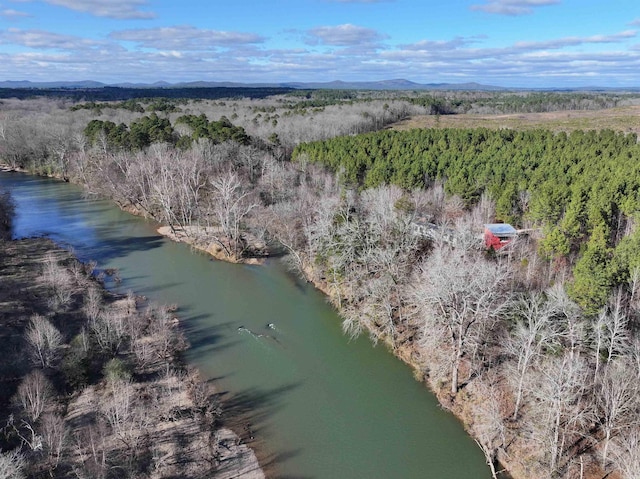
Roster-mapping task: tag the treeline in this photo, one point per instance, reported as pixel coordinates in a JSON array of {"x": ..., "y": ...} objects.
[
  {"x": 583, "y": 189},
  {"x": 448, "y": 103},
  {"x": 538, "y": 102},
  {"x": 143, "y": 105},
  {"x": 154, "y": 129},
  {"x": 109, "y": 93},
  {"x": 440, "y": 102},
  {"x": 41, "y": 135}
]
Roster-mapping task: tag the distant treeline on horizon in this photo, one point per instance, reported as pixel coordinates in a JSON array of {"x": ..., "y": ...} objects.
[{"x": 109, "y": 93}]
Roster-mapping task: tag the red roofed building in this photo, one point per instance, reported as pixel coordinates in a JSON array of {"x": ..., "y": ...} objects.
[{"x": 497, "y": 235}]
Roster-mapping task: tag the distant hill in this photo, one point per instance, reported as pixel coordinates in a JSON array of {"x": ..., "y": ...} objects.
[
  {"x": 395, "y": 84},
  {"x": 59, "y": 84},
  {"x": 398, "y": 84}
]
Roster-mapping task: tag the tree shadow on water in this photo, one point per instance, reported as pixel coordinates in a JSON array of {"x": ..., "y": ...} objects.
[
  {"x": 108, "y": 249},
  {"x": 206, "y": 340},
  {"x": 246, "y": 413}
]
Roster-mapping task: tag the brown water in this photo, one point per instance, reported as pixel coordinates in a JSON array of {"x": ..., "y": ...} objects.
[{"x": 326, "y": 407}]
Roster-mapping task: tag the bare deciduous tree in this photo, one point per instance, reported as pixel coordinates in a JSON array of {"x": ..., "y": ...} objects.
[
  {"x": 634, "y": 288},
  {"x": 59, "y": 280},
  {"x": 44, "y": 341},
  {"x": 231, "y": 204},
  {"x": 285, "y": 225},
  {"x": 573, "y": 324},
  {"x": 532, "y": 332},
  {"x": 460, "y": 292},
  {"x": 610, "y": 333},
  {"x": 117, "y": 409},
  {"x": 634, "y": 355},
  {"x": 34, "y": 393},
  {"x": 93, "y": 304},
  {"x": 91, "y": 448},
  {"x": 12, "y": 464},
  {"x": 54, "y": 436},
  {"x": 616, "y": 400},
  {"x": 163, "y": 333},
  {"x": 488, "y": 425},
  {"x": 626, "y": 450},
  {"x": 560, "y": 391},
  {"x": 120, "y": 412},
  {"x": 109, "y": 329},
  {"x": 617, "y": 334}
]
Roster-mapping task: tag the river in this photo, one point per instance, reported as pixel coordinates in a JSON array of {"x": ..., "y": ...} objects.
[{"x": 324, "y": 406}]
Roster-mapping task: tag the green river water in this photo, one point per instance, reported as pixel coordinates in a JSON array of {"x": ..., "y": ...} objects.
[{"x": 324, "y": 407}]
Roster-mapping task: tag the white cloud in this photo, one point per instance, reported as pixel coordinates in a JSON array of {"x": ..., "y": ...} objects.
[
  {"x": 39, "y": 39},
  {"x": 11, "y": 14},
  {"x": 438, "y": 45},
  {"x": 459, "y": 48},
  {"x": 348, "y": 52},
  {"x": 512, "y": 7},
  {"x": 118, "y": 9},
  {"x": 185, "y": 38},
  {"x": 508, "y": 66},
  {"x": 573, "y": 41},
  {"x": 522, "y": 63},
  {"x": 343, "y": 35}
]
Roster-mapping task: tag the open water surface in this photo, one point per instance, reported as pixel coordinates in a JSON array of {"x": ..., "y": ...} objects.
[{"x": 327, "y": 407}]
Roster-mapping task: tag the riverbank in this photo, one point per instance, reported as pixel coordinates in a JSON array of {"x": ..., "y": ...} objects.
[
  {"x": 208, "y": 241},
  {"x": 467, "y": 407},
  {"x": 136, "y": 406}
]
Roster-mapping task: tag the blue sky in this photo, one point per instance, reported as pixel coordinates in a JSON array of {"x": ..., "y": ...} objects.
[{"x": 512, "y": 43}]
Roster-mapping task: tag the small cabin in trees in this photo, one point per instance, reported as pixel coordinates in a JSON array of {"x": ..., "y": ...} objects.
[{"x": 497, "y": 235}]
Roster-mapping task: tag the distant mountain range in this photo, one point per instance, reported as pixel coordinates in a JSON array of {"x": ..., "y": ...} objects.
[{"x": 396, "y": 84}]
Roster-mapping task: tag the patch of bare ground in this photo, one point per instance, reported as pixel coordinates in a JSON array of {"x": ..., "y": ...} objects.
[
  {"x": 106, "y": 394},
  {"x": 623, "y": 119}
]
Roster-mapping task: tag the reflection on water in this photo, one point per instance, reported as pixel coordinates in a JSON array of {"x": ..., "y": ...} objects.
[{"x": 325, "y": 406}]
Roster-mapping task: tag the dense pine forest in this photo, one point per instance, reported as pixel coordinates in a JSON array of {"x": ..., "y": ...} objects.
[
  {"x": 535, "y": 348},
  {"x": 581, "y": 189}
]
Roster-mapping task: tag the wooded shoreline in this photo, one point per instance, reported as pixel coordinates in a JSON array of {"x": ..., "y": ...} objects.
[{"x": 95, "y": 412}]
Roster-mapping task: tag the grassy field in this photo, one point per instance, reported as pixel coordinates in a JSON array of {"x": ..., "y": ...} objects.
[{"x": 624, "y": 119}]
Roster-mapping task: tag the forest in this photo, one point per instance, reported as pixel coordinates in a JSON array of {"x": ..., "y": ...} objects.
[
  {"x": 535, "y": 348},
  {"x": 582, "y": 189}
]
